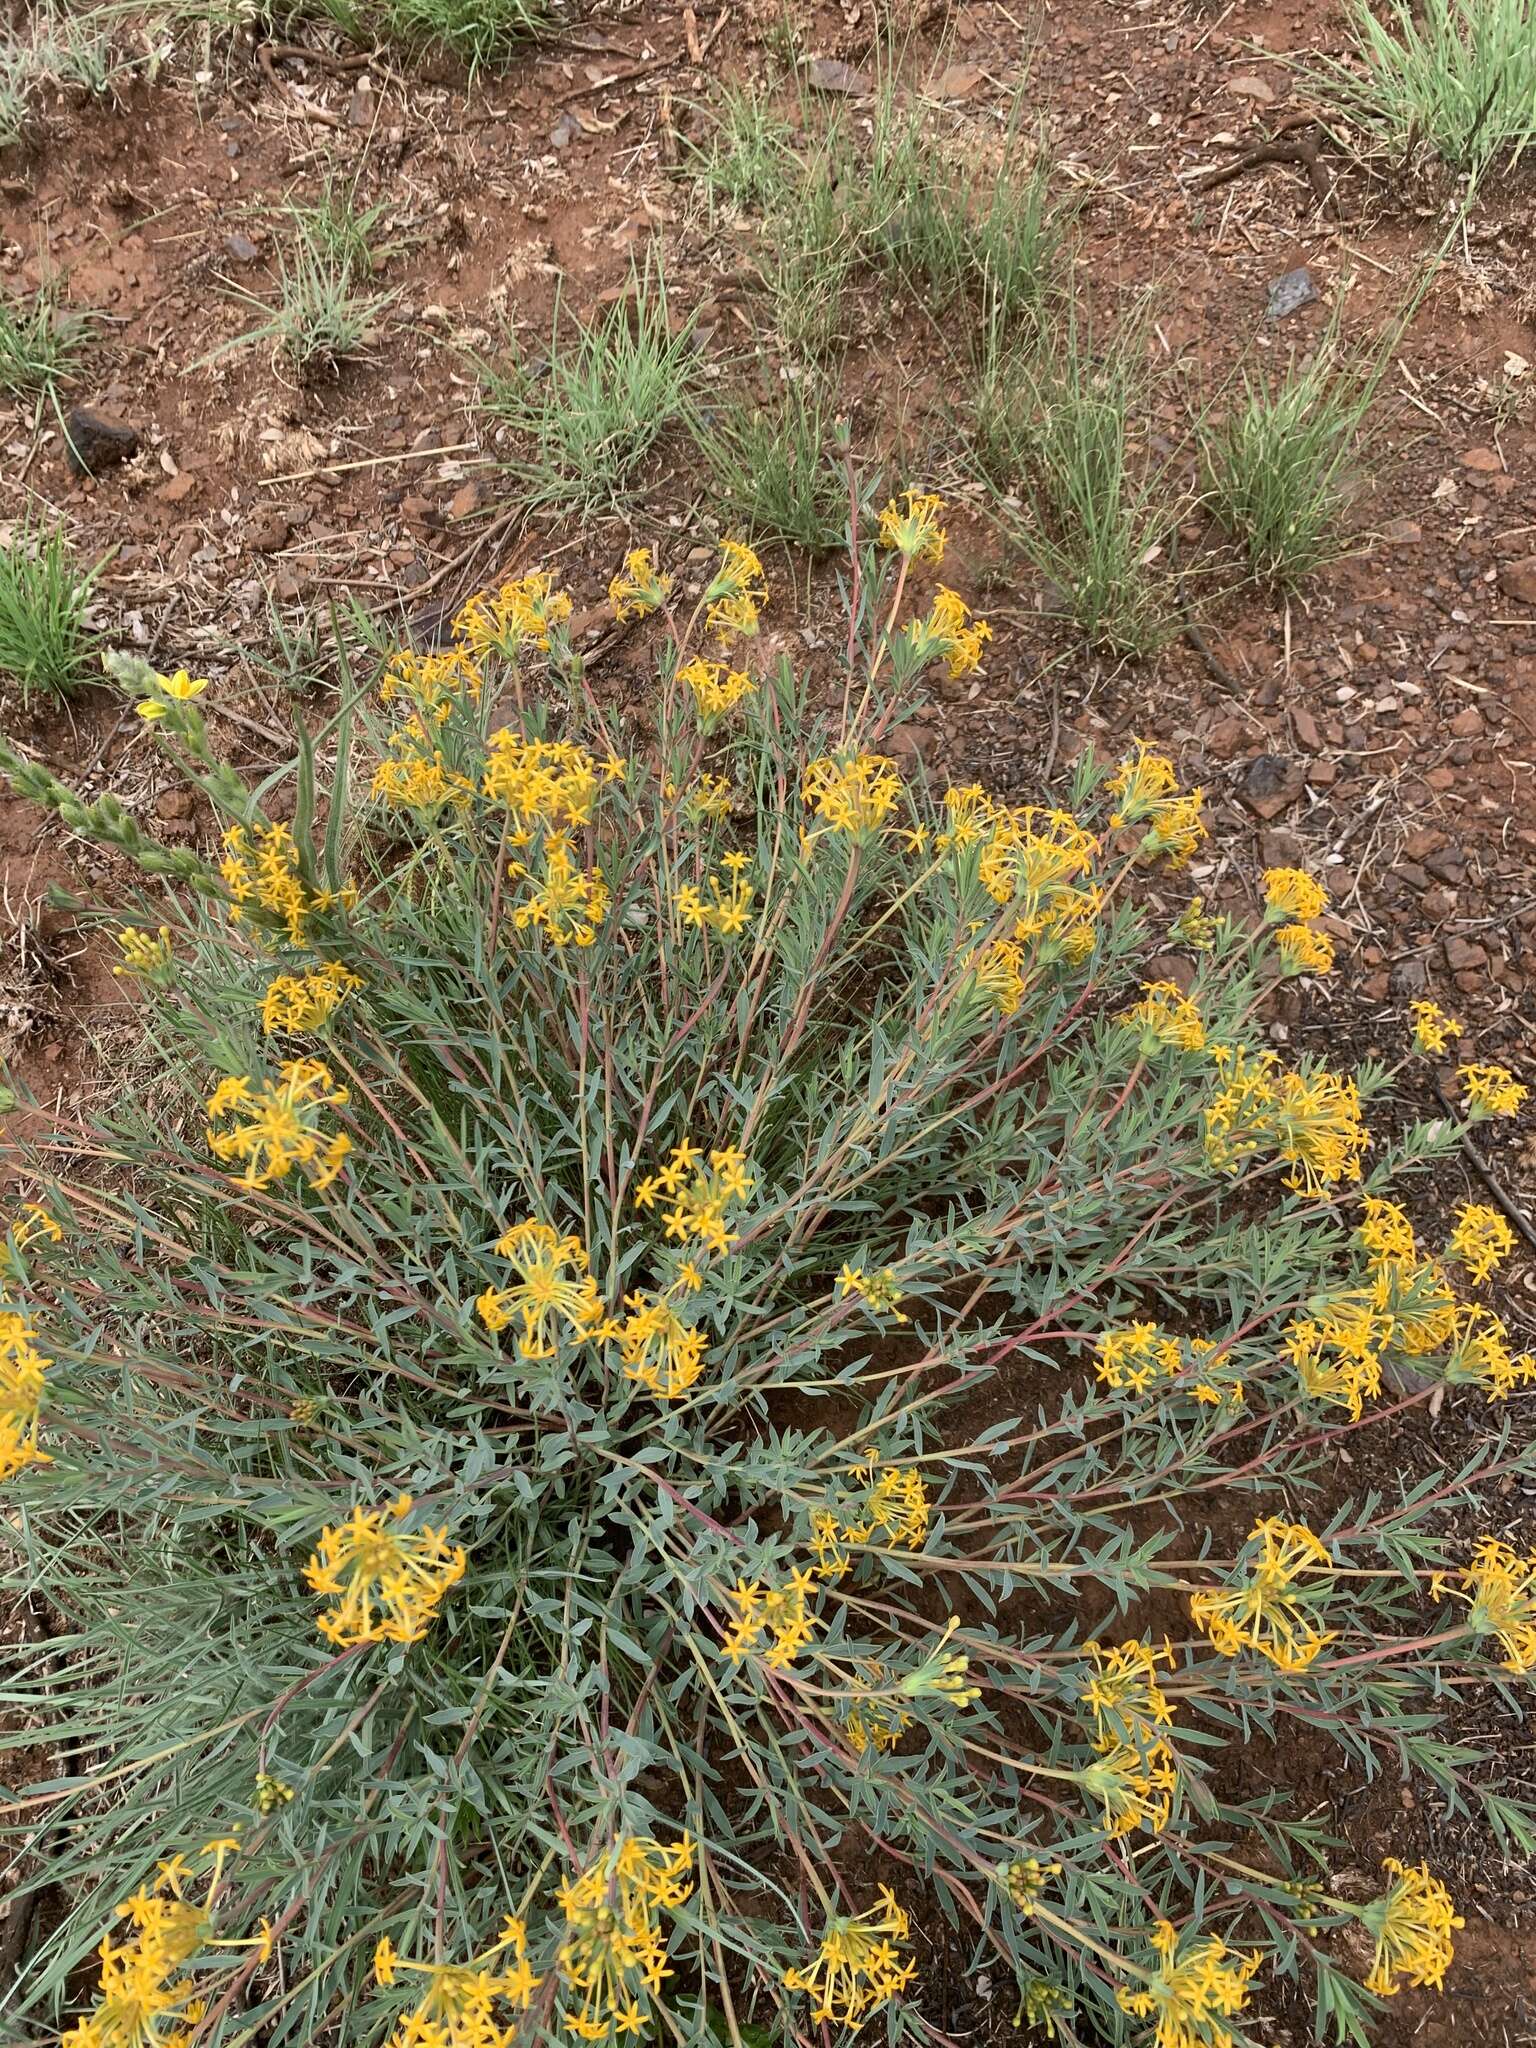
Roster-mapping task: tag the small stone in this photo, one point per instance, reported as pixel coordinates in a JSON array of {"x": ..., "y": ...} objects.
[
  {"x": 1463, "y": 957},
  {"x": 565, "y": 131},
  {"x": 1271, "y": 785},
  {"x": 1402, "y": 533},
  {"x": 1290, "y": 293},
  {"x": 1518, "y": 580},
  {"x": 831, "y": 74},
  {"x": 241, "y": 249},
  {"x": 178, "y": 489},
  {"x": 1306, "y": 729},
  {"x": 1467, "y": 724},
  {"x": 1486, "y": 460},
  {"x": 173, "y": 804},
  {"x": 466, "y": 499},
  {"x": 272, "y": 531},
  {"x": 94, "y": 441}
]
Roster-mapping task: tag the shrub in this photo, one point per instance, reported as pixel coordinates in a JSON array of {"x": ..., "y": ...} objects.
[{"x": 676, "y": 1365}]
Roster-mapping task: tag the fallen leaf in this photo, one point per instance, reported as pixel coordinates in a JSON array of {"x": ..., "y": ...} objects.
[
  {"x": 1515, "y": 366},
  {"x": 1249, "y": 87},
  {"x": 956, "y": 82},
  {"x": 1446, "y": 488},
  {"x": 831, "y": 74}
]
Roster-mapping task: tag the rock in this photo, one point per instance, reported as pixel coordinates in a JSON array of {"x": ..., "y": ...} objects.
[
  {"x": 565, "y": 131},
  {"x": 95, "y": 442},
  {"x": 172, "y": 804},
  {"x": 1426, "y": 840},
  {"x": 956, "y": 82},
  {"x": 1467, "y": 724},
  {"x": 1486, "y": 460},
  {"x": 1462, "y": 957},
  {"x": 1409, "y": 977},
  {"x": 1518, "y": 580},
  {"x": 1306, "y": 729},
  {"x": 831, "y": 74},
  {"x": 178, "y": 489},
  {"x": 1271, "y": 785},
  {"x": 1251, "y": 87},
  {"x": 241, "y": 249},
  {"x": 1402, "y": 533},
  {"x": 466, "y": 499},
  {"x": 1290, "y": 293}
]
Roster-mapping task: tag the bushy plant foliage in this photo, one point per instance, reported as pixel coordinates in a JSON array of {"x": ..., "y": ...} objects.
[{"x": 683, "y": 1374}]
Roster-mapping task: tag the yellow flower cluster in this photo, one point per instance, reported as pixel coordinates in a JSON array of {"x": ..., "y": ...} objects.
[
  {"x": 1165, "y": 1016},
  {"x": 296, "y": 1003},
  {"x": 710, "y": 797},
  {"x": 879, "y": 1291},
  {"x": 278, "y": 1125},
  {"x": 996, "y": 971},
  {"x": 1132, "y": 1360},
  {"x": 1136, "y": 1775},
  {"x": 413, "y": 776},
  {"x": 145, "y": 1999},
  {"x": 1491, "y": 1091},
  {"x": 735, "y": 592},
  {"x": 1482, "y": 1240},
  {"x": 716, "y": 688},
  {"x": 1034, "y": 860},
  {"x": 639, "y": 588},
  {"x": 948, "y": 634},
  {"x": 179, "y": 688},
  {"x": 499, "y": 622},
  {"x": 913, "y": 530},
  {"x": 858, "y": 1966},
  {"x": 774, "y": 1622},
  {"x": 1433, "y": 1030},
  {"x": 1284, "y": 1573},
  {"x": 261, "y": 866},
  {"x": 660, "y": 1351},
  {"x": 1337, "y": 1353},
  {"x": 1289, "y": 893},
  {"x": 23, "y": 1371},
  {"x": 730, "y": 908},
  {"x": 566, "y": 903},
  {"x": 1025, "y": 1880},
  {"x": 458, "y": 2004},
  {"x": 701, "y": 1195},
  {"x": 432, "y": 684},
  {"x": 1193, "y": 928},
  {"x": 1312, "y": 1121},
  {"x": 541, "y": 782},
  {"x": 1192, "y": 1988},
  {"x": 852, "y": 793},
  {"x": 554, "y": 1287},
  {"x": 1412, "y": 1926},
  {"x": 874, "y": 1718},
  {"x": 1480, "y": 1355},
  {"x": 888, "y": 1507},
  {"x": 1135, "y": 1786},
  {"x": 613, "y": 1950},
  {"x": 386, "y": 1580},
  {"x": 1148, "y": 794},
  {"x": 1499, "y": 1587},
  {"x": 147, "y": 954}
]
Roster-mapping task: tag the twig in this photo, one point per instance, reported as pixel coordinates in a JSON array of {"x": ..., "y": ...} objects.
[
  {"x": 322, "y": 58},
  {"x": 298, "y": 476},
  {"x": 1489, "y": 1179},
  {"x": 1295, "y": 141},
  {"x": 626, "y": 71}
]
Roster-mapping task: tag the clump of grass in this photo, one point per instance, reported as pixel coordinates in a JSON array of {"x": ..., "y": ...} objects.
[
  {"x": 41, "y": 343},
  {"x": 809, "y": 261},
  {"x": 481, "y": 33},
  {"x": 325, "y": 310},
  {"x": 1278, "y": 465},
  {"x": 775, "y": 466},
  {"x": 45, "y": 645},
  {"x": 592, "y": 409},
  {"x": 1457, "y": 75},
  {"x": 1061, "y": 423},
  {"x": 747, "y": 157}
]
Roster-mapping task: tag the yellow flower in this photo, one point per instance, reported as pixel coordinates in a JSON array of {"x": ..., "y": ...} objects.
[
  {"x": 771, "y": 1621},
  {"x": 296, "y": 1003},
  {"x": 701, "y": 1195},
  {"x": 554, "y": 1286},
  {"x": 432, "y": 683},
  {"x": 1412, "y": 1926},
  {"x": 1288, "y": 892},
  {"x": 710, "y": 797},
  {"x": 879, "y": 1291},
  {"x": 548, "y": 782},
  {"x": 1491, "y": 1091},
  {"x": 1432, "y": 1029},
  {"x": 735, "y": 592},
  {"x": 33, "y": 1225},
  {"x": 23, "y": 1370},
  {"x": 1499, "y": 1587},
  {"x": 1310, "y": 1120},
  {"x": 1481, "y": 1240},
  {"x": 1165, "y": 1016},
  {"x": 969, "y": 818},
  {"x": 890, "y": 1506},
  {"x": 874, "y": 1719},
  {"x": 1132, "y": 1360},
  {"x": 1134, "y": 1783},
  {"x": 730, "y": 908},
  {"x": 387, "y": 1581},
  {"x": 1286, "y": 1572},
  {"x": 1480, "y": 1354},
  {"x": 1193, "y": 1986},
  {"x": 530, "y": 609},
  {"x": 1033, "y": 859},
  {"x": 638, "y": 588},
  {"x": 1145, "y": 784},
  {"x": 947, "y": 634},
  {"x": 1337, "y": 1355},
  {"x": 1123, "y": 1695},
  {"x": 568, "y": 904},
  {"x": 179, "y": 688},
  {"x": 271, "y": 1793},
  {"x": 996, "y": 971},
  {"x": 144, "y": 953},
  {"x": 1386, "y": 1232},
  {"x": 915, "y": 532},
  {"x": 942, "y": 1674},
  {"x": 716, "y": 689},
  {"x": 458, "y": 2004},
  {"x": 613, "y": 1949},
  {"x": 414, "y": 777},
  {"x": 853, "y": 793},
  {"x": 262, "y": 866},
  {"x": 659, "y": 1350},
  {"x": 858, "y": 1966},
  {"x": 1303, "y": 949},
  {"x": 279, "y": 1125}
]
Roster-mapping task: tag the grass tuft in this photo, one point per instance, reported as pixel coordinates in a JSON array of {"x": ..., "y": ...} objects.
[
  {"x": 484, "y": 34},
  {"x": 1279, "y": 464},
  {"x": 775, "y": 467},
  {"x": 1457, "y": 75},
  {"x": 592, "y": 409},
  {"x": 325, "y": 311},
  {"x": 45, "y": 645},
  {"x": 41, "y": 343}
]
